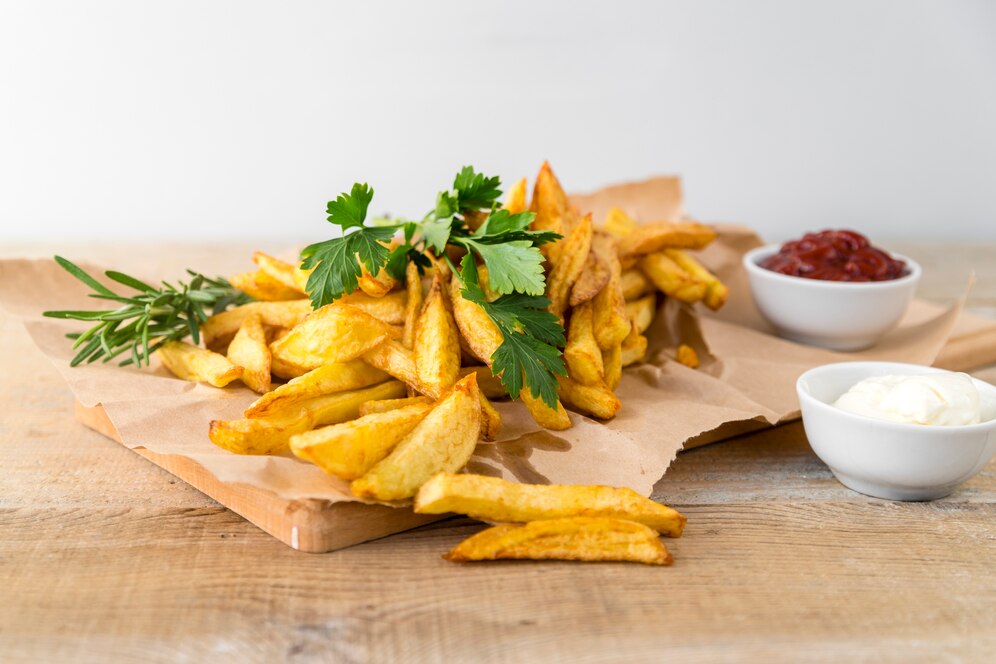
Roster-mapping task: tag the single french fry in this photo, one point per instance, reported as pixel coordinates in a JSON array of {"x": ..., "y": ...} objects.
[
  {"x": 593, "y": 400},
  {"x": 335, "y": 333},
  {"x": 686, "y": 355},
  {"x": 376, "y": 285},
  {"x": 484, "y": 281},
  {"x": 280, "y": 270},
  {"x": 579, "y": 538},
  {"x": 716, "y": 291},
  {"x": 437, "y": 343},
  {"x": 249, "y": 351},
  {"x": 555, "y": 419},
  {"x": 326, "y": 379},
  {"x": 389, "y": 308},
  {"x": 385, "y": 405},
  {"x": 612, "y": 361},
  {"x": 490, "y": 417},
  {"x": 286, "y": 369},
  {"x": 611, "y": 324},
  {"x": 594, "y": 276},
  {"x": 582, "y": 354},
  {"x": 553, "y": 211},
  {"x": 650, "y": 238},
  {"x": 481, "y": 334},
  {"x": 671, "y": 278},
  {"x": 262, "y": 286},
  {"x": 634, "y": 348},
  {"x": 568, "y": 268},
  {"x": 350, "y": 449},
  {"x": 301, "y": 277},
  {"x": 442, "y": 442},
  {"x": 266, "y": 435},
  {"x": 635, "y": 284},
  {"x": 642, "y": 312},
  {"x": 413, "y": 306},
  {"x": 619, "y": 223},
  {"x": 197, "y": 365},
  {"x": 500, "y": 501},
  {"x": 219, "y": 330},
  {"x": 515, "y": 199},
  {"x": 489, "y": 384}
]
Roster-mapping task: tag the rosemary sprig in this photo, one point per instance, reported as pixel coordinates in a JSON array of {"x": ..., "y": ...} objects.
[{"x": 146, "y": 320}]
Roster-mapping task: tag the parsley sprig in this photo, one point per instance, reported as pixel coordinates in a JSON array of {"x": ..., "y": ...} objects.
[
  {"x": 146, "y": 319},
  {"x": 530, "y": 355}
]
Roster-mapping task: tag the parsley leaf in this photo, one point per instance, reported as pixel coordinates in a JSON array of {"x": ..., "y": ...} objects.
[
  {"x": 474, "y": 191},
  {"x": 529, "y": 353},
  {"x": 515, "y": 266},
  {"x": 349, "y": 210}
]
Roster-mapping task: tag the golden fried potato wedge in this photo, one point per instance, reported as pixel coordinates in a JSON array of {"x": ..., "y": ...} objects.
[
  {"x": 481, "y": 334},
  {"x": 266, "y": 435},
  {"x": 301, "y": 277},
  {"x": 515, "y": 199},
  {"x": 350, "y": 449},
  {"x": 716, "y": 291},
  {"x": 389, "y": 308},
  {"x": 326, "y": 379},
  {"x": 686, "y": 355},
  {"x": 642, "y": 312},
  {"x": 442, "y": 442},
  {"x": 281, "y": 271},
  {"x": 579, "y": 538},
  {"x": 610, "y": 321},
  {"x": 553, "y": 211},
  {"x": 565, "y": 272},
  {"x": 635, "y": 284},
  {"x": 634, "y": 348},
  {"x": 671, "y": 278},
  {"x": 285, "y": 369},
  {"x": 413, "y": 306},
  {"x": 262, "y": 286},
  {"x": 612, "y": 363},
  {"x": 555, "y": 419},
  {"x": 596, "y": 401},
  {"x": 385, "y": 405},
  {"x": 249, "y": 351},
  {"x": 650, "y": 238},
  {"x": 197, "y": 365},
  {"x": 490, "y": 418},
  {"x": 377, "y": 285},
  {"x": 219, "y": 330},
  {"x": 437, "y": 341},
  {"x": 594, "y": 276},
  {"x": 500, "y": 501},
  {"x": 619, "y": 223},
  {"x": 582, "y": 354},
  {"x": 489, "y": 384},
  {"x": 335, "y": 333}
]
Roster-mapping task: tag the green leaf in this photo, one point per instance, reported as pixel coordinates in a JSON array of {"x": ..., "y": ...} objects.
[
  {"x": 501, "y": 221},
  {"x": 349, "y": 210},
  {"x": 475, "y": 191},
  {"x": 436, "y": 233},
  {"x": 515, "y": 266},
  {"x": 336, "y": 262}
]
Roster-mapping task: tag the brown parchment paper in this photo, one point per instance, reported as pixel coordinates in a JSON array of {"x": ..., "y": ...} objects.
[{"x": 746, "y": 381}]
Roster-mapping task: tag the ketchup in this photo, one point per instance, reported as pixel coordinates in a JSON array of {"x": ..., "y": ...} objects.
[{"x": 835, "y": 256}]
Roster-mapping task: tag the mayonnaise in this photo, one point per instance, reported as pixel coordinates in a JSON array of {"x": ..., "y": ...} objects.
[{"x": 941, "y": 399}]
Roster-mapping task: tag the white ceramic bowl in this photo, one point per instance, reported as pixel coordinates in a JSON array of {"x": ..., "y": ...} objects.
[
  {"x": 839, "y": 315},
  {"x": 887, "y": 459}
]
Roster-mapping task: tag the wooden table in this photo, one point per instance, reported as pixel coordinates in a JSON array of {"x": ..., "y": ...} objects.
[{"x": 105, "y": 557}]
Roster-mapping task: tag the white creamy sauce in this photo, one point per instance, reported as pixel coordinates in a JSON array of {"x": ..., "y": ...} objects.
[{"x": 944, "y": 399}]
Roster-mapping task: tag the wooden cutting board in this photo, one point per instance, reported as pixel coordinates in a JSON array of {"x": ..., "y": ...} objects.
[{"x": 319, "y": 526}]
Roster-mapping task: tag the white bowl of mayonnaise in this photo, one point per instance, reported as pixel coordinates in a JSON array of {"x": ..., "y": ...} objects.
[{"x": 898, "y": 431}]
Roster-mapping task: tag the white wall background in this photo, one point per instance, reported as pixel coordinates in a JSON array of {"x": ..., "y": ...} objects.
[{"x": 201, "y": 120}]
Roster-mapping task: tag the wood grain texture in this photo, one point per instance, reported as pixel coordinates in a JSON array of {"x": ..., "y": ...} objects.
[{"x": 107, "y": 557}]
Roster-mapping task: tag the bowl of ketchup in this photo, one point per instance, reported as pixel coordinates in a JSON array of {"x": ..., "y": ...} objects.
[{"x": 833, "y": 289}]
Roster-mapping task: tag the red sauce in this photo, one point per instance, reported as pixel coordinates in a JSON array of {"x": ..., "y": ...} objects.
[{"x": 835, "y": 256}]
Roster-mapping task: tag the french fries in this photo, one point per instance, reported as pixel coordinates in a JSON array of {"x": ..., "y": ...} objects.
[
  {"x": 266, "y": 435},
  {"x": 278, "y": 270},
  {"x": 582, "y": 354},
  {"x": 565, "y": 272},
  {"x": 377, "y": 285},
  {"x": 578, "y": 538},
  {"x": 672, "y": 279},
  {"x": 437, "y": 344},
  {"x": 262, "y": 286},
  {"x": 650, "y": 238},
  {"x": 413, "y": 305},
  {"x": 611, "y": 324},
  {"x": 596, "y": 400},
  {"x": 553, "y": 212},
  {"x": 249, "y": 351},
  {"x": 716, "y": 291},
  {"x": 197, "y": 365},
  {"x": 335, "y": 333},
  {"x": 594, "y": 277},
  {"x": 641, "y": 312},
  {"x": 515, "y": 199},
  {"x": 442, "y": 442},
  {"x": 349, "y": 449},
  {"x": 219, "y": 330},
  {"x": 686, "y": 355},
  {"x": 326, "y": 379},
  {"x": 385, "y": 405},
  {"x": 500, "y": 501}
]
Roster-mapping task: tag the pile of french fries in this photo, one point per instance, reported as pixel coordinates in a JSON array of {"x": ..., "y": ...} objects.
[{"x": 390, "y": 387}]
